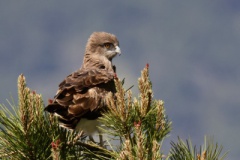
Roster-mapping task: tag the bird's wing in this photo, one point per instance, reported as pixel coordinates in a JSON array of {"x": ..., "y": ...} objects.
[
  {"x": 81, "y": 92},
  {"x": 86, "y": 78}
]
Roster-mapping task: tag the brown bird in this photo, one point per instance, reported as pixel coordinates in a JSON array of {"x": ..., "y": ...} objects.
[{"x": 80, "y": 99}]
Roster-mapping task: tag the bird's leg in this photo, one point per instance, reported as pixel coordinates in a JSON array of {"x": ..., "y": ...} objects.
[
  {"x": 91, "y": 138},
  {"x": 101, "y": 142}
]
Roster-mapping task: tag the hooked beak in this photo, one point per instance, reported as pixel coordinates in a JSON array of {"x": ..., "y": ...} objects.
[{"x": 118, "y": 50}]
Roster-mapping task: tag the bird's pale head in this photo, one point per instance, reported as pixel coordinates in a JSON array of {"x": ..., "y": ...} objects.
[{"x": 103, "y": 44}]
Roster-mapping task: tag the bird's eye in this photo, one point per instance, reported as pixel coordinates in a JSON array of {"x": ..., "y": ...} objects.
[{"x": 107, "y": 45}]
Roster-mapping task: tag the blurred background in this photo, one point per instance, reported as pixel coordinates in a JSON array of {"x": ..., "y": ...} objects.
[{"x": 192, "y": 48}]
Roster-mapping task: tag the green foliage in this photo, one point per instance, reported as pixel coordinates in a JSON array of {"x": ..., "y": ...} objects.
[
  {"x": 28, "y": 133},
  {"x": 135, "y": 129},
  {"x": 186, "y": 151},
  {"x": 140, "y": 124},
  {"x": 25, "y": 133}
]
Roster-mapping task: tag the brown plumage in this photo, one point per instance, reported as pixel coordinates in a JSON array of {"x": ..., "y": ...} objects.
[{"x": 80, "y": 99}]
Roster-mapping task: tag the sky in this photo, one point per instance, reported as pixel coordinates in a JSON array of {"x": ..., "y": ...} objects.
[{"x": 192, "y": 48}]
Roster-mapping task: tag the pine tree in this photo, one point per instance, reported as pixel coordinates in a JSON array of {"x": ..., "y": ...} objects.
[{"x": 134, "y": 129}]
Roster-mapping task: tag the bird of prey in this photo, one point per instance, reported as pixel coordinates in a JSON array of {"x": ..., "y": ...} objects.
[{"x": 81, "y": 97}]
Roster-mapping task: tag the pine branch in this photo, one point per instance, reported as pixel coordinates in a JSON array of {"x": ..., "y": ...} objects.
[
  {"x": 29, "y": 133},
  {"x": 140, "y": 124},
  {"x": 23, "y": 130},
  {"x": 210, "y": 151},
  {"x": 136, "y": 128}
]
